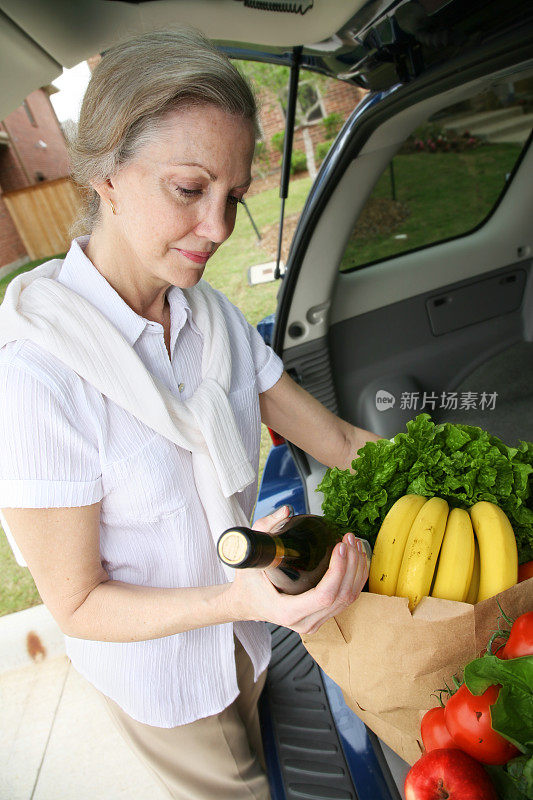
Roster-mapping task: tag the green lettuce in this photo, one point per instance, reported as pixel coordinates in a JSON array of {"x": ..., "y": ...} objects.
[
  {"x": 512, "y": 713},
  {"x": 511, "y": 716},
  {"x": 514, "y": 781},
  {"x": 460, "y": 463}
]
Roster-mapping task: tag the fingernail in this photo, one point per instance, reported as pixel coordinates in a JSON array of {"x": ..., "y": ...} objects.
[
  {"x": 342, "y": 550},
  {"x": 281, "y": 512},
  {"x": 359, "y": 545},
  {"x": 351, "y": 539}
]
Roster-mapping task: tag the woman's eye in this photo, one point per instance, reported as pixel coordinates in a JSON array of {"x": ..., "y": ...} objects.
[
  {"x": 232, "y": 200},
  {"x": 188, "y": 192}
]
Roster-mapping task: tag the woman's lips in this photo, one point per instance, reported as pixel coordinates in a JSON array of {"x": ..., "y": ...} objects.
[{"x": 198, "y": 256}]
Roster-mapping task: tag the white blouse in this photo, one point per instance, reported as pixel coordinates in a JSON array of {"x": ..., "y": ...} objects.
[{"x": 65, "y": 444}]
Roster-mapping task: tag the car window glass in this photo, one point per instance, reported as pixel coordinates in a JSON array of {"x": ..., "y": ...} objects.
[{"x": 447, "y": 177}]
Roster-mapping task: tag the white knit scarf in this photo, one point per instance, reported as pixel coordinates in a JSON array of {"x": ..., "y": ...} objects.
[{"x": 39, "y": 308}]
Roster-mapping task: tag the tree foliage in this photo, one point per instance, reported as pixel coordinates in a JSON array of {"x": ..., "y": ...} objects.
[{"x": 275, "y": 79}]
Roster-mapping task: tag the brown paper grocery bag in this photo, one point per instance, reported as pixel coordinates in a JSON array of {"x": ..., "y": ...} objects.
[{"x": 389, "y": 662}]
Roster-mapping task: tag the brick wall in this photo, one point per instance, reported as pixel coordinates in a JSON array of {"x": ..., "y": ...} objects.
[
  {"x": 11, "y": 246},
  {"x": 11, "y": 173},
  {"x": 338, "y": 97},
  {"x": 51, "y": 162},
  {"x": 342, "y": 98}
]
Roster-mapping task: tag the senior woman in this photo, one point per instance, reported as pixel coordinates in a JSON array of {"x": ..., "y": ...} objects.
[{"x": 132, "y": 395}]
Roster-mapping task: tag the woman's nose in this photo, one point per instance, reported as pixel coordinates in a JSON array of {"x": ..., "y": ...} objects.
[{"x": 216, "y": 224}]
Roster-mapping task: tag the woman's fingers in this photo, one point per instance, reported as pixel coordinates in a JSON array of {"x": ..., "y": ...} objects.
[
  {"x": 363, "y": 568},
  {"x": 345, "y": 593},
  {"x": 324, "y": 600},
  {"x": 290, "y": 610},
  {"x": 348, "y": 588},
  {"x": 265, "y": 524},
  {"x": 306, "y": 612},
  {"x": 336, "y": 578}
]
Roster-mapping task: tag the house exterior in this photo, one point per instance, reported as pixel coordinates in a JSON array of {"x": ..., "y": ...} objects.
[
  {"x": 333, "y": 97},
  {"x": 32, "y": 150},
  {"x": 33, "y": 147}
]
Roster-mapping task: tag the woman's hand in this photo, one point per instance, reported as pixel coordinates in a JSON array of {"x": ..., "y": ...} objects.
[{"x": 252, "y": 595}]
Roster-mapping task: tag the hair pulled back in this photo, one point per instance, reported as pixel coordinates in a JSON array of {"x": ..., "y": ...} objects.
[{"x": 136, "y": 84}]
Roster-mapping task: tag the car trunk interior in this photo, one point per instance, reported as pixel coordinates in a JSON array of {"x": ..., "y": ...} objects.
[
  {"x": 449, "y": 320},
  {"x": 510, "y": 374},
  {"x": 473, "y": 372},
  {"x": 452, "y": 319}
]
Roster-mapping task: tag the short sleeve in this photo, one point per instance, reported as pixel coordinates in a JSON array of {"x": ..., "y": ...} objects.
[
  {"x": 268, "y": 366},
  {"x": 49, "y": 457}
]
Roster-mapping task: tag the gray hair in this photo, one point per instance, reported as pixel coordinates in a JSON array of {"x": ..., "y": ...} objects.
[{"x": 133, "y": 88}]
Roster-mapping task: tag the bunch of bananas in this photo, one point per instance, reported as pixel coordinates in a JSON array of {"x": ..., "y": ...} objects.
[{"x": 424, "y": 548}]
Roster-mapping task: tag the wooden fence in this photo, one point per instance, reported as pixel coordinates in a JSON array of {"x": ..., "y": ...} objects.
[{"x": 43, "y": 214}]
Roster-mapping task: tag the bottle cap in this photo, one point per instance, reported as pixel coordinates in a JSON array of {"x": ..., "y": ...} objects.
[{"x": 233, "y": 547}]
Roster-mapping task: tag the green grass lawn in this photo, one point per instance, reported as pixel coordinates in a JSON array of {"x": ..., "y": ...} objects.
[
  {"x": 30, "y": 265},
  {"x": 228, "y": 268},
  {"x": 227, "y": 271},
  {"x": 17, "y": 589},
  {"x": 445, "y": 195}
]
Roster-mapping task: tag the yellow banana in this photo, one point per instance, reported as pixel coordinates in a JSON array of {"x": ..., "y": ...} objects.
[
  {"x": 473, "y": 590},
  {"x": 497, "y": 549},
  {"x": 421, "y": 551},
  {"x": 390, "y": 544},
  {"x": 456, "y": 559}
]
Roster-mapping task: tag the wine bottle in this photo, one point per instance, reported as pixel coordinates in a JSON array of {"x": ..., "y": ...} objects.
[{"x": 295, "y": 554}]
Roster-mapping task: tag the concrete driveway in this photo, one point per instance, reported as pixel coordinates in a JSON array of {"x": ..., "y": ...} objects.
[{"x": 57, "y": 741}]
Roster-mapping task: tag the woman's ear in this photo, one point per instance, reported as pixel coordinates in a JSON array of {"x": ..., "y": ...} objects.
[{"x": 105, "y": 189}]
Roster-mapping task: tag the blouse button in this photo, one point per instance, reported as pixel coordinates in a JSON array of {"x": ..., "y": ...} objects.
[{"x": 181, "y": 387}]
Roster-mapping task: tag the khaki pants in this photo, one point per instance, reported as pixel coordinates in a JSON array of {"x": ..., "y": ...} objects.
[{"x": 215, "y": 757}]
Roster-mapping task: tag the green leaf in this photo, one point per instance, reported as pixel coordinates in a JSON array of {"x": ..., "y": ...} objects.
[
  {"x": 512, "y": 713},
  {"x": 506, "y": 788},
  {"x": 521, "y": 771},
  {"x": 488, "y": 670},
  {"x": 514, "y": 781},
  {"x": 460, "y": 463}
]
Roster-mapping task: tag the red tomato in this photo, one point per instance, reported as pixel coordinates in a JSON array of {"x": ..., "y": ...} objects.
[
  {"x": 468, "y": 719},
  {"x": 525, "y": 571},
  {"x": 435, "y": 734},
  {"x": 520, "y": 641}
]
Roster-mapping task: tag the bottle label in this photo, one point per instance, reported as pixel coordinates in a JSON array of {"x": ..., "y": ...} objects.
[{"x": 280, "y": 552}]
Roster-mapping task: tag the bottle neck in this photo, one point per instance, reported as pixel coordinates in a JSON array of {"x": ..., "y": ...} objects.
[{"x": 242, "y": 548}]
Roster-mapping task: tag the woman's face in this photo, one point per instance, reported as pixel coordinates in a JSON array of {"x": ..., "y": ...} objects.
[{"x": 176, "y": 202}]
